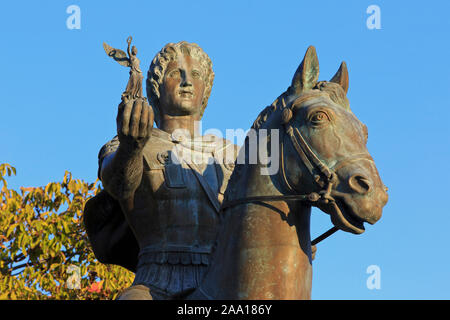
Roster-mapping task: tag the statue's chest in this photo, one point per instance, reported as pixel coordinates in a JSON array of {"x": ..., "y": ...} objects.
[{"x": 170, "y": 177}]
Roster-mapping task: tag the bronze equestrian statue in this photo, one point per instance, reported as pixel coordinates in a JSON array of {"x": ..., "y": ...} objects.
[{"x": 263, "y": 246}]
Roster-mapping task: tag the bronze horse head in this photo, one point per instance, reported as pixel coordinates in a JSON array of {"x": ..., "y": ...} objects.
[
  {"x": 336, "y": 141},
  {"x": 263, "y": 248}
]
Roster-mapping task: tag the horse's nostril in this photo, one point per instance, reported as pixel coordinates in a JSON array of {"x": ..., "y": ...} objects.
[{"x": 359, "y": 184}]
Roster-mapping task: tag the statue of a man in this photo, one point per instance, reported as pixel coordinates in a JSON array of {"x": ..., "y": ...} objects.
[{"x": 158, "y": 215}]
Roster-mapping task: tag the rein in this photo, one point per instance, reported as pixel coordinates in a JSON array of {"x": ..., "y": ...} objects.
[{"x": 312, "y": 163}]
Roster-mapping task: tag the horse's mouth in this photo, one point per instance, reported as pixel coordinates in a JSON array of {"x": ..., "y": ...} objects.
[{"x": 343, "y": 217}]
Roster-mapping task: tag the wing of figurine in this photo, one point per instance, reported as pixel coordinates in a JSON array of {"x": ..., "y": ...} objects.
[{"x": 117, "y": 54}]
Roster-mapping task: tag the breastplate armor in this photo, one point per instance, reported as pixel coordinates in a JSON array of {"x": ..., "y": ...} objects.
[{"x": 175, "y": 211}]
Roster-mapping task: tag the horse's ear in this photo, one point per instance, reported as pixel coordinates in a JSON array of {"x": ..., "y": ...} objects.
[
  {"x": 341, "y": 77},
  {"x": 307, "y": 73}
]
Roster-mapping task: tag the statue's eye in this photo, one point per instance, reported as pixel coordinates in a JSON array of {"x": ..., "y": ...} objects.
[
  {"x": 319, "y": 118},
  {"x": 196, "y": 74},
  {"x": 175, "y": 73}
]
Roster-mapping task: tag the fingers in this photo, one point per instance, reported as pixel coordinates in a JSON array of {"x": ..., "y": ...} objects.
[
  {"x": 119, "y": 118},
  {"x": 123, "y": 123},
  {"x": 144, "y": 121},
  {"x": 135, "y": 118},
  {"x": 146, "y": 126}
]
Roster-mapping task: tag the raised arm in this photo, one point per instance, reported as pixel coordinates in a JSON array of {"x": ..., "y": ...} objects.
[
  {"x": 121, "y": 170},
  {"x": 129, "y": 44}
]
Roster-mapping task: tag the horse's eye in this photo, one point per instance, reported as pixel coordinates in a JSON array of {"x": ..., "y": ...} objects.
[{"x": 319, "y": 118}]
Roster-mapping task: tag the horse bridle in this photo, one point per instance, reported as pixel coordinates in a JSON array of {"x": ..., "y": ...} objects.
[{"x": 313, "y": 164}]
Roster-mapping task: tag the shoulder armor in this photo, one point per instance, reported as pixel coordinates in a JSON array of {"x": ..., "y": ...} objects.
[{"x": 110, "y": 147}]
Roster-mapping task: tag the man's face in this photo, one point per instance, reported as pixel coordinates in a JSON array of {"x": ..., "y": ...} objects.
[{"x": 183, "y": 86}]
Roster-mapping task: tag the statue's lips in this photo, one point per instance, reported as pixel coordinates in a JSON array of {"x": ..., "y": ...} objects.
[
  {"x": 186, "y": 94},
  {"x": 344, "y": 218}
]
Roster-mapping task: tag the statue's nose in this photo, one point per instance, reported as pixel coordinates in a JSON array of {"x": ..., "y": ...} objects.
[
  {"x": 186, "y": 80},
  {"x": 360, "y": 184},
  {"x": 186, "y": 83}
]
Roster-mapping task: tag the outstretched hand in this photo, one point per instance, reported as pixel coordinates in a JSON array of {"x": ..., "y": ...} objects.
[{"x": 134, "y": 123}]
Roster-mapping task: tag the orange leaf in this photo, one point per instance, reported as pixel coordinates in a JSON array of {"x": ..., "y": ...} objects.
[{"x": 96, "y": 287}]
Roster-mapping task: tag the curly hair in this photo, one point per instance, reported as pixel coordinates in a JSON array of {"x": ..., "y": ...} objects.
[{"x": 156, "y": 72}]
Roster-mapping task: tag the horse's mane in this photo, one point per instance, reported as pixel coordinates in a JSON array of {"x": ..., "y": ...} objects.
[{"x": 278, "y": 104}]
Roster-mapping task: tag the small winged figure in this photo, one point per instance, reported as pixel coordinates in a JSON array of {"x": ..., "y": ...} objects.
[{"x": 134, "y": 86}]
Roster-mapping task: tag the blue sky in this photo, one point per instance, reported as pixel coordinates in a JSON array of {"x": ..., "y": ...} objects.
[{"x": 60, "y": 93}]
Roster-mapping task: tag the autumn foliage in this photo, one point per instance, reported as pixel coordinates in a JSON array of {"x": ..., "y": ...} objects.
[{"x": 43, "y": 244}]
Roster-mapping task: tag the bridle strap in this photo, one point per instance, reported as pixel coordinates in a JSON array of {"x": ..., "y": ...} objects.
[
  {"x": 306, "y": 154},
  {"x": 312, "y": 197},
  {"x": 284, "y": 178},
  {"x": 324, "y": 235}
]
